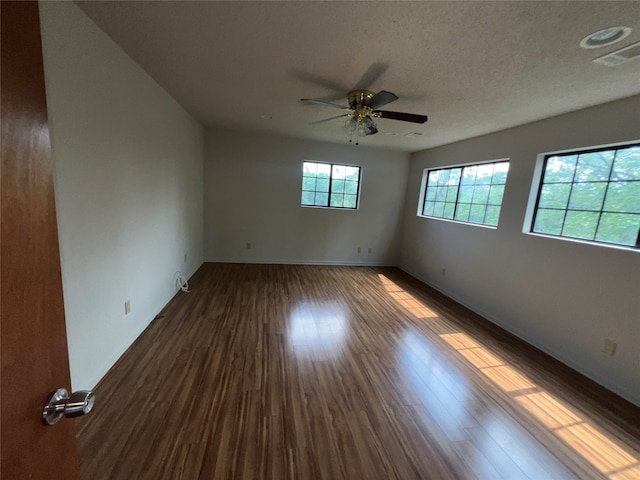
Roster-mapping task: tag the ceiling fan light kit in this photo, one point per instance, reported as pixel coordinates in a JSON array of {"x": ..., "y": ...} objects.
[{"x": 363, "y": 108}]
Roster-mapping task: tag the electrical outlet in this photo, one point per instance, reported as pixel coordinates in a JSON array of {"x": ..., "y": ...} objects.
[
  {"x": 609, "y": 347},
  {"x": 359, "y": 249},
  {"x": 444, "y": 272},
  {"x": 127, "y": 307},
  {"x": 370, "y": 250},
  {"x": 248, "y": 245}
]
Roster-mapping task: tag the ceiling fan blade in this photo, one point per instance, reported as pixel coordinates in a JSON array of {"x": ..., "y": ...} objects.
[
  {"x": 329, "y": 119},
  {"x": 372, "y": 74},
  {"x": 321, "y": 81},
  {"x": 405, "y": 117},
  {"x": 326, "y": 104},
  {"x": 380, "y": 99}
]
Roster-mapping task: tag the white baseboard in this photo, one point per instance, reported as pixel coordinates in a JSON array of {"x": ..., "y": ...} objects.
[{"x": 299, "y": 262}]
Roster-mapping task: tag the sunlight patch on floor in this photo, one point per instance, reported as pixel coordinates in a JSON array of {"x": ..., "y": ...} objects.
[
  {"x": 490, "y": 365},
  {"x": 610, "y": 459},
  {"x": 406, "y": 300}
]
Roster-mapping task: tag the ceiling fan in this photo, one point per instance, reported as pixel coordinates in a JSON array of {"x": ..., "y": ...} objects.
[{"x": 363, "y": 108}]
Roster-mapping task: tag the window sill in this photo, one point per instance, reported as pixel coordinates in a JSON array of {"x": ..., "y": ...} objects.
[
  {"x": 317, "y": 207},
  {"x": 584, "y": 242},
  {"x": 490, "y": 227}
]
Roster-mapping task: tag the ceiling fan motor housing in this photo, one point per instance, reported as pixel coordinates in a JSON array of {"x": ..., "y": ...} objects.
[{"x": 358, "y": 98}]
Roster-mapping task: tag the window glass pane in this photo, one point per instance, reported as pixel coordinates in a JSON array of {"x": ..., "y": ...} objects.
[
  {"x": 495, "y": 195},
  {"x": 594, "y": 166},
  {"x": 322, "y": 199},
  {"x": 466, "y": 194},
  {"x": 493, "y": 215},
  {"x": 428, "y": 208},
  {"x": 619, "y": 228},
  {"x": 438, "y": 209},
  {"x": 477, "y": 213},
  {"x": 337, "y": 186},
  {"x": 627, "y": 164},
  {"x": 500, "y": 173},
  {"x": 308, "y": 198},
  {"x": 350, "y": 201},
  {"x": 433, "y": 177},
  {"x": 350, "y": 187},
  {"x": 560, "y": 169},
  {"x": 309, "y": 168},
  {"x": 308, "y": 183},
  {"x": 324, "y": 170},
  {"x": 580, "y": 224},
  {"x": 336, "y": 200},
  {"x": 484, "y": 175},
  {"x": 322, "y": 184},
  {"x": 338, "y": 172},
  {"x": 352, "y": 173},
  {"x": 587, "y": 196},
  {"x": 449, "y": 209},
  {"x": 469, "y": 175},
  {"x": 452, "y": 193},
  {"x": 462, "y": 212},
  {"x": 454, "y": 176},
  {"x": 481, "y": 194},
  {"x": 555, "y": 195},
  {"x": 444, "y": 177},
  {"x": 431, "y": 193},
  {"x": 623, "y": 197},
  {"x": 441, "y": 194},
  {"x": 549, "y": 221}
]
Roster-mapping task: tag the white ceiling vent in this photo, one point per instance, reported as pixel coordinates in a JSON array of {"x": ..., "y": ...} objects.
[{"x": 618, "y": 57}]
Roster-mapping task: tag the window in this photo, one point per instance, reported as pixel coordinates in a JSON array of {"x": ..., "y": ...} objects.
[
  {"x": 591, "y": 195},
  {"x": 330, "y": 185},
  {"x": 468, "y": 193}
]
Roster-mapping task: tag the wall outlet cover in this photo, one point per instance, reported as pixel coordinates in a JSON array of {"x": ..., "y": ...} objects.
[{"x": 609, "y": 347}]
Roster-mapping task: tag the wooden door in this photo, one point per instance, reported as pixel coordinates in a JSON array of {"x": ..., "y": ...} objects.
[{"x": 33, "y": 334}]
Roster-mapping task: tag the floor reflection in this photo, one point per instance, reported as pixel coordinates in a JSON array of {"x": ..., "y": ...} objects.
[
  {"x": 317, "y": 330},
  {"x": 437, "y": 384},
  {"x": 592, "y": 444}
]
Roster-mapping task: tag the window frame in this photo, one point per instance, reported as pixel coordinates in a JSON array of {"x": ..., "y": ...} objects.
[
  {"x": 425, "y": 183},
  {"x": 331, "y": 180},
  {"x": 538, "y": 184}
]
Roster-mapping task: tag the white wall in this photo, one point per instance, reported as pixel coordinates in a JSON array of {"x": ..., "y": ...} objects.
[
  {"x": 128, "y": 165},
  {"x": 252, "y": 194},
  {"x": 564, "y": 297}
]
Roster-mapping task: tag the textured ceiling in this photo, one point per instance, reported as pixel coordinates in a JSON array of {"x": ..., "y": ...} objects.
[{"x": 472, "y": 67}]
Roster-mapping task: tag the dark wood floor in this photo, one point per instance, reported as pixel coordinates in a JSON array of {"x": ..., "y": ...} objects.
[{"x": 313, "y": 372}]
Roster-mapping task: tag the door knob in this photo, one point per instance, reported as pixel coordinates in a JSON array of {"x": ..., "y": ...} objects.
[{"x": 60, "y": 403}]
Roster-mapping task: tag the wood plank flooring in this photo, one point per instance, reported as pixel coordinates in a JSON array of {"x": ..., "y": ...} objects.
[{"x": 325, "y": 372}]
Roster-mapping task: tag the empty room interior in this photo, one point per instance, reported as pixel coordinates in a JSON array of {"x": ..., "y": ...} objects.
[{"x": 360, "y": 240}]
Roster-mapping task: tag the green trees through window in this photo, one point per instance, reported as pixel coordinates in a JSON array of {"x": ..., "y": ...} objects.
[
  {"x": 330, "y": 185},
  {"x": 591, "y": 195},
  {"x": 469, "y": 193}
]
